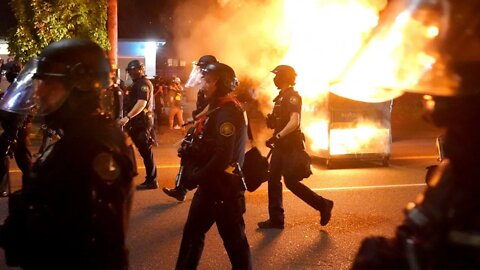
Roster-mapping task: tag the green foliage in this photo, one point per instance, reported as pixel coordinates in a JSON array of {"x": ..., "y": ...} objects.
[{"x": 41, "y": 22}]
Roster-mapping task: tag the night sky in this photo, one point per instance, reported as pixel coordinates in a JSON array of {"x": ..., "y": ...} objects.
[
  {"x": 136, "y": 19},
  {"x": 6, "y": 18}
]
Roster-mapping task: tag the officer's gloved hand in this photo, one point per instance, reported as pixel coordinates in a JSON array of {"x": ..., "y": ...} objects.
[
  {"x": 270, "y": 143},
  {"x": 270, "y": 121},
  {"x": 191, "y": 178}
]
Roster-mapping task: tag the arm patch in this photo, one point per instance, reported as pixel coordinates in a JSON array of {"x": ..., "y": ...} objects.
[
  {"x": 294, "y": 100},
  {"x": 227, "y": 129},
  {"x": 106, "y": 167}
]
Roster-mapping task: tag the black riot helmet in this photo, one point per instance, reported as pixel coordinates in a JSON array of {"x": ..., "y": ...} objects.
[
  {"x": 227, "y": 81},
  {"x": 286, "y": 73},
  {"x": 195, "y": 78},
  {"x": 80, "y": 63},
  {"x": 134, "y": 64},
  {"x": 205, "y": 60},
  {"x": 79, "y": 66}
]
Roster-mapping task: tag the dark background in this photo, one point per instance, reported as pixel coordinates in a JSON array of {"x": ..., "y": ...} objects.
[{"x": 136, "y": 19}]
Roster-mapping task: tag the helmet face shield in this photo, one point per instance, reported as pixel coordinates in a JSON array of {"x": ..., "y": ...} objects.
[
  {"x": 195, "y": 78},
  {"x": 20, "y": 95}
]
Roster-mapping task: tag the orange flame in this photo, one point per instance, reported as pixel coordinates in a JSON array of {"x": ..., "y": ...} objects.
[{"x": 332, "y": 48}]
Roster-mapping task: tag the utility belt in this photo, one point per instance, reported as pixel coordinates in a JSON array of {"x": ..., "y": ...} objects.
[
  {"x": 235, "y": 170},
  {"x": 143, "y": 120},
  {"x": 292, "y": 141}
]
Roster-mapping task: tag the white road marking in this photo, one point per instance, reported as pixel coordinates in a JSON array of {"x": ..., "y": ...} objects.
[
  {"x": 413, "y": 157},
  {"x": 369, "y": 187}
]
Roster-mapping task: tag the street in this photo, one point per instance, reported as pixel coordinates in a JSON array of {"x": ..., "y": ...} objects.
[{"x": 368, "y": 199}]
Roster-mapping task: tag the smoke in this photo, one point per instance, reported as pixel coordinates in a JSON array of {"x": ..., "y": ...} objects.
[{"x": 245, "y": 34}]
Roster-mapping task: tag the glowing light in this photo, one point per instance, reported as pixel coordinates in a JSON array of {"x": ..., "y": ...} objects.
[
  {"x": 319, "y": 131},
  {"x": 334, "y": 46},
  {"x": 359, "y": 140},
  {"x": 150, "y": 53},
  {"x": 432, "y": 32}
]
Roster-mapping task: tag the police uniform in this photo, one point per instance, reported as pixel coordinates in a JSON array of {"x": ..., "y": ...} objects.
[
  {"x": 201, "y": 103},
  {"x": 80, "y": 188},
  {"x": 286, "y": 103},
  {"x": 139, "y": 127},
  {"x": 220, "y": 195}
]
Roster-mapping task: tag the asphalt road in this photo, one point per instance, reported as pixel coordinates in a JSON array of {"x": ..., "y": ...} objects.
[{"x": 368, "y": 199}]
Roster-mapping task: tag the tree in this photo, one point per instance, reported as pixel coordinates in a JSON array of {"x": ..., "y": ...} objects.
[{"x": 41, "y": 22}]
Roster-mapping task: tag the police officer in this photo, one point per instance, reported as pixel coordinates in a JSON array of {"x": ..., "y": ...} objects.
[
  {"x": 180, "y": 192},
  {"x": 287, "y": 138},
  {"x": 441, "y": 229},
  {"x": 220, "y": 195},
  {"x": 74, "y": 212},
  {"x": 138, "y": 119}
]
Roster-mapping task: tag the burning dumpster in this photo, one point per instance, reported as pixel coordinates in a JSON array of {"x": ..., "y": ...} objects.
[{"x": 351, "y": 130}]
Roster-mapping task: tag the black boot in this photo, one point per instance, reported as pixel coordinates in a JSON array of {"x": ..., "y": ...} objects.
[
  {"x": 268, "y": 224},
  {"x": 178, "y": 193},
  {"x": 326, "y": 212},
  {"x": 148, "y": 184}
]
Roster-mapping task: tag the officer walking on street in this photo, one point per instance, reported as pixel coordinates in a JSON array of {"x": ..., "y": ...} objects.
[
  {"x": 221, "y": 137},
  {"x": 73, "y": 213},
  {"x": 138, "y": 119},
  {"x": 180, "y": 192},
  {"x": 287, "y": 138}
]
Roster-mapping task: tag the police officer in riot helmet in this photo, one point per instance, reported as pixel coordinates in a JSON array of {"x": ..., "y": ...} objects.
[
  {"x": 441, "y": 229},
  {"x": 220, "y": 149},
  {"x": 74, "y": 212},
  {"x": 138, "y": 119},
  {"x": 180, "y": 192},
  {"x": 288, "y": 140}
]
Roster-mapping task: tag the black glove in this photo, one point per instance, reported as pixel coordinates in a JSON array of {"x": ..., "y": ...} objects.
[
  {"x": 190, "y": 178},
  {"x": 271, "y": 121},
  {"x": 270, "y": 143}
]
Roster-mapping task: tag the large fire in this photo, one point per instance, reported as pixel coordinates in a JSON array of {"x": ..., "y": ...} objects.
[
  {"x": 337, "y": 46},
  {"x": 364, "y": 50}
]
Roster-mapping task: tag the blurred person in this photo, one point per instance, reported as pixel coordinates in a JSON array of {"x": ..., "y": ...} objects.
[
  {"x": 1, "y": 68},
  {"x": 288, "y": 138},
  {"x": 219, "y": 151},
  {"x": 12, "y": 68},
  {"x": 160, "y": 88},
  {"x": 74, "y": 212},
  {"x": 137, "y": 120},
  {"x": 175, "y": 95},
  {"x": 114, "y": 94},
  {"x": 441, "y": 229},
  {"x": 195, "y": 79},
  {"x": 14, "y": 140}
]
